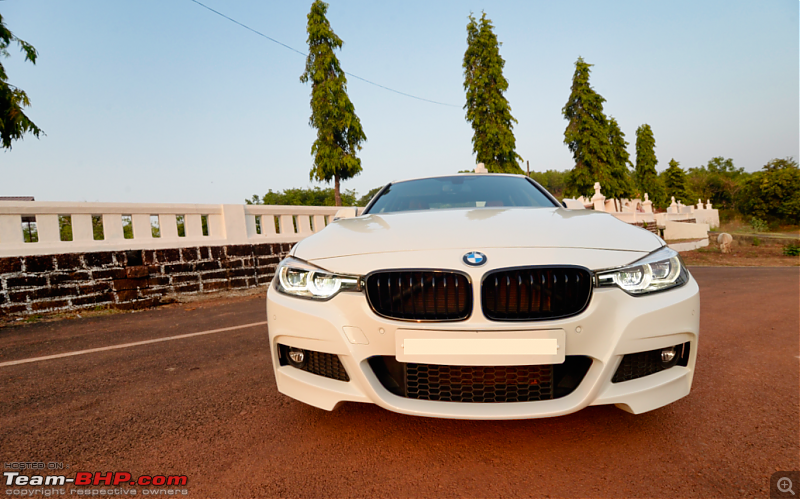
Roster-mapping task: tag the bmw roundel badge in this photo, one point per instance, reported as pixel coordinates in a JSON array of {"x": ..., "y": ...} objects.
[{"x": 475, "y": 258}]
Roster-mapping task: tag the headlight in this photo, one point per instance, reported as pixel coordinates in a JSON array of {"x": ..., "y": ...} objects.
[
  {"x": 658, "y": 271},
  {"x": 297, "y": 278}
]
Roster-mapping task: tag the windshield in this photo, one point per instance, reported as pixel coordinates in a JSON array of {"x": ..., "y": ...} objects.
[{"x": 462, "y": 191}]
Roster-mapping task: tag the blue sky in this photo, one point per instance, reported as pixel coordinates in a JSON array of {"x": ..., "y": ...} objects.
[{"x": 164, "y": 101}]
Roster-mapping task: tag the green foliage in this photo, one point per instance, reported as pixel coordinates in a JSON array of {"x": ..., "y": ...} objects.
[
  {"x": 127, "y": 226},
  {"x": 674, "y": 179},
  {"x": 719, "y": 181},
  {"x": 759, "y": 225},
  {"x": 645, "y": 175},
  {"x": 98, "y": 234},
  {"x": 621, "y": 185},
  {"x": 363, "y": 200},
  {"x": 65, "y": 227},
  {"x": 304, "y": 197},
  {"x": 30, "y": 233},
  {"x": 756, "y": 241},
  {"x": 13, "y": 121},
  {"x": 774, "y": 192},
  {"x": 554, "y": 181},
  {"x": 723, "y": 166},
  {"x": 339, "y": 132},
  {"x": 587, "y": 137},
  {"x": 488, "y": 110},
  {"x": 791, "y": 249}
]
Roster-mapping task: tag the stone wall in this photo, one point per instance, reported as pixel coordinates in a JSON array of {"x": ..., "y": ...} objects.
[
  {"x": 131, "y": 279},
  {"x": 652, "y": 226}
]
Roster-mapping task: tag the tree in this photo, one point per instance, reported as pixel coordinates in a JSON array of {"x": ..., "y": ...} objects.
[
  {"x": 488, "y": 110},
  {"x": 774, "y": 192},
  {"x": 720, "y": 181},
  {"x": 675, "y": 182},
  {"x": 621, "y": 185},
  {"x": 305, "y": 197},
  {"x": 645, "y": 173},
  {"x": 554, "y": 181},
  {"x": 587, "y": 136},
  {"x": 339, "y": 132},
  {"x": 14, "y": 123},
  {"x": 723, "y": 166}
]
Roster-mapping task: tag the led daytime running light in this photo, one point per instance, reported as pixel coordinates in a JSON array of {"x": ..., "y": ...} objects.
[
  {"x": 299, "y": 279},
  {"x": 659, "y": 271}
]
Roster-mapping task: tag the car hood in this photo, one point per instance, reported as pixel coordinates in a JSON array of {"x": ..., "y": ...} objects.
[{"x": 476, "y": 228}]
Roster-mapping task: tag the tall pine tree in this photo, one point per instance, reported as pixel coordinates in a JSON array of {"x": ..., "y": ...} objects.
[
  {"x": 587, "y": 137},
  {"x": 487, "y": 108},
  {"x": 621, "y": 186},
  {"x": 675, "y": 181},
  {"x": 339, "y": 132},
  {"x": 647, "y": 180}
]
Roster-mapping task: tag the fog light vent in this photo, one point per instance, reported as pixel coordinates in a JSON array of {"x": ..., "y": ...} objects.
[
  {"x": 638, "y": 365},
  {"x": 323, "y": 364}
]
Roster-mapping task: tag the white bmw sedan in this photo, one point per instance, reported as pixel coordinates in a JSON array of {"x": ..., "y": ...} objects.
[{"x": 481, "y": 297}]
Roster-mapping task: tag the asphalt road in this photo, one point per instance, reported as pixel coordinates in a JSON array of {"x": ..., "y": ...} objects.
[{"x": 207, "y": 407}]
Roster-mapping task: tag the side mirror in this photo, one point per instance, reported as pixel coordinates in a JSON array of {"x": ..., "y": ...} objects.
[
  {"x": 349, "y": 212},
  {"x": 573, "y": 204}
]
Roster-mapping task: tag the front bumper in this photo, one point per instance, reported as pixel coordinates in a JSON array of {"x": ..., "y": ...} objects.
[{"x": 614, "y": 324}]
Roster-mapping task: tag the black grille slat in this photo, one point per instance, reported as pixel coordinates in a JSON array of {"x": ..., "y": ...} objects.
[
  {"x": 435, "y": 296},
  {"x": 391, "y": 300},
  {"x": 446, "y": 304},
  {"x": 535, "y": 293},
  {"x": 420, "y": 295}
]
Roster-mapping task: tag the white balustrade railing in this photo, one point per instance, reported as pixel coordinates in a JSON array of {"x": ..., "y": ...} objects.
[
  {"x": 635, "y": 217},
  {"x": 638, "y": 211},
  {"x": 38, "y": 228}
]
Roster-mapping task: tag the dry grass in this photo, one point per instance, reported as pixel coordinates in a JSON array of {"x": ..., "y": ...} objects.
[
  {"x": 741, "y": 226},
  {"x": 741, "y": 255}
]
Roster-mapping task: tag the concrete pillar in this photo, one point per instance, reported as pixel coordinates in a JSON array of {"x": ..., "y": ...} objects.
[
  {"x": 598, "y": 200},
  {"x": 233, "y": 224}
]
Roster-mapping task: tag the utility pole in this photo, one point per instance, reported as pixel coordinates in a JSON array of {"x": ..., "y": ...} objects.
[{"x": 528, "y": 166}]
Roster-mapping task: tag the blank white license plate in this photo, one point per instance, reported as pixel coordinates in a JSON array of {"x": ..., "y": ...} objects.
[{"x": 506, "y": 348}]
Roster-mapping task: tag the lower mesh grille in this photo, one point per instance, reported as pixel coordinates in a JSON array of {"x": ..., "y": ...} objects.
[
  {"x": 639, "y": 365},
  {"x": 323, "y": 364},
  {"x": 326, "y": 364},
  {"x": 480, "y": 384}
]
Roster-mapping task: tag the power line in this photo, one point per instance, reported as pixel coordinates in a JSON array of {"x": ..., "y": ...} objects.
[{"x": 306, "y": 55}]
